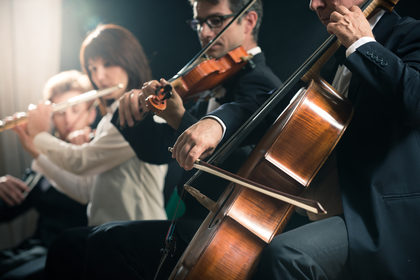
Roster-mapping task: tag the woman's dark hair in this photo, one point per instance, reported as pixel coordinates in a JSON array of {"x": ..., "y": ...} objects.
[{"x": 116, "y": 46}]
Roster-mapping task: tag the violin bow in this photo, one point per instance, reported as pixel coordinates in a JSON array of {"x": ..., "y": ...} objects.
[{"x": 197, "y": 57}]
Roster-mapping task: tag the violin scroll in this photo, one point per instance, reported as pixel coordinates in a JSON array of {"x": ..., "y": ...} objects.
[{"x": 157, "y": 103}]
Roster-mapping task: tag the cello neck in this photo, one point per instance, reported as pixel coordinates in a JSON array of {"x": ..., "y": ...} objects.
[{"x": 368, "y": 11}]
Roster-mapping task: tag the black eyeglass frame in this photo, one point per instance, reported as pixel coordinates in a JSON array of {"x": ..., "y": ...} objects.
[{"x": 196, "y": 24}]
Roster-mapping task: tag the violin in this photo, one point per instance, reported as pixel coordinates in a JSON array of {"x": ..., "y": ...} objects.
[
  {"x": 196, "y": 77},
  {"x": 206, "y": 75}
]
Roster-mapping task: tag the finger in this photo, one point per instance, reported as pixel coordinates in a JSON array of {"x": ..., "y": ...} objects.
[
  {"x": 5, "y": 198},
  {"x": 188, "y": 153},
  {"x": 191, "y": 157},
  {"x": 143, "y": 107},
  {"x": 342, "y": 10},
  {"x": 355, "y": 9},
  {"x": 163, "y": 82},
  {"x": 15, "y": 195},
  {"x": 207, "y": 153},
  {"x": 19, "y": 184},
  {"x": 183, "y": 157},
  {"x": 126, "y": 110},
  {"x": 14, "y": 191},
  {"x": 150, "y": 88},
  {"x": 19, "y": 131},
  {"x": 134, "y": 105},
  {"x": 121, "y": 112},
  {"x": 179, "y": 147},
  {"x": 332, "y": 28},
  {"x": 335, "y": 17}
]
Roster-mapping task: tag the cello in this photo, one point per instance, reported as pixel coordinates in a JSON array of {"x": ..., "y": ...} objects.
[{"x": 229, "y": 241}]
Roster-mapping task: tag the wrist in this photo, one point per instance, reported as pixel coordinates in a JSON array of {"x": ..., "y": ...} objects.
[
  {"x": 214, "y": 126},
  {"x": 174, "y": 119},
  {"x": 34, "y": 154},
  {"x": 361, "y": 41}
]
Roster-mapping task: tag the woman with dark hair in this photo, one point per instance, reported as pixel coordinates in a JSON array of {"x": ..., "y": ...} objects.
[
  {"x": 124, "y": 187},
  {"x": 114, "y": 45}
]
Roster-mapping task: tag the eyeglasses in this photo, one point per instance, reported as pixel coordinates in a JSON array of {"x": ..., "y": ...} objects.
[{"x": 212, "y": 21}]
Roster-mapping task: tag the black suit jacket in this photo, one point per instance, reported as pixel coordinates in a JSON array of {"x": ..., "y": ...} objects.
[{"x": 379, "y": 154}]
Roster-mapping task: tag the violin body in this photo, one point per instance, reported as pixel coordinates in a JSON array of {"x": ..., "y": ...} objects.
[
  {"x": 228, "y": 243},
  {"x": 206, "y": 75},
  {"x": 211, "y": 72}
]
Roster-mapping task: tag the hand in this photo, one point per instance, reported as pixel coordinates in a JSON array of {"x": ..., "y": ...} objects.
[
  {"x": 81, "y": 136},
  {"x": 174, "y": 108},
  {"x": 12, "y": 190},
  {"x": 132, "y": 107},
  {"x": 349, "y": 25},
  {"x": 39, "y": 119},
  {"x": 26, "y": 141},
  {"x": 198, "y": 141}
]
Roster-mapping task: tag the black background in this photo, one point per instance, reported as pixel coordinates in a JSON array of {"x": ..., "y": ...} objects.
[{"x": 290, "y": 32}]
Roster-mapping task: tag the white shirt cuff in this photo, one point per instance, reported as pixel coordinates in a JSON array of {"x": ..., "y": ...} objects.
[
  {"x": 353, "y": 47},
  {"x": 222, "y": 124}
]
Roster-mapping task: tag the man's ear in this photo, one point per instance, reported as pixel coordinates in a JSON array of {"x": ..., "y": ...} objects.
[{"x": 250, "y": 19}]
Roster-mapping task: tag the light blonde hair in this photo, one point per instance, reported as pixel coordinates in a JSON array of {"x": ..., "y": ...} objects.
[{"x": 66, "y": 81}]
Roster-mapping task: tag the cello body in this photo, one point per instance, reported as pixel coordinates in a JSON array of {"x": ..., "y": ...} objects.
[{"x": 230, "y": 240}]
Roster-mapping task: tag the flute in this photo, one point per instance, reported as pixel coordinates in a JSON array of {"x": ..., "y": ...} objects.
[{"x": 22, "y": 117}]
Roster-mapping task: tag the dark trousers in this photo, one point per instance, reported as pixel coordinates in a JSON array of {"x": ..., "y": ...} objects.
[
  {"x": 130, "y": 250},
  {"x": 116, "y": 250},
  {"x": 67, "y": 254},
  {"x": 25, "y": 261},
  {"x": 318, "y": 250}
]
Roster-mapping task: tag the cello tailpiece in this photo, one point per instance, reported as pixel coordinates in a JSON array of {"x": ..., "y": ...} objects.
[{"x": 204, "y": 200}]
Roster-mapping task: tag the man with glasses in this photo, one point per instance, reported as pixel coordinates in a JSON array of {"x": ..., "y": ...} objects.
[
  {"x": 251, "y": 84},
  {"x": 131, "y": 250}
]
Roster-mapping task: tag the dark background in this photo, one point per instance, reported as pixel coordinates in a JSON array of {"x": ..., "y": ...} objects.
[{"x": 290, "y": 32}]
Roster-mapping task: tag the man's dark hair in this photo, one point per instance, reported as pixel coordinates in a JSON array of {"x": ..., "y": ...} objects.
[{"x": 236, "y": 5}]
